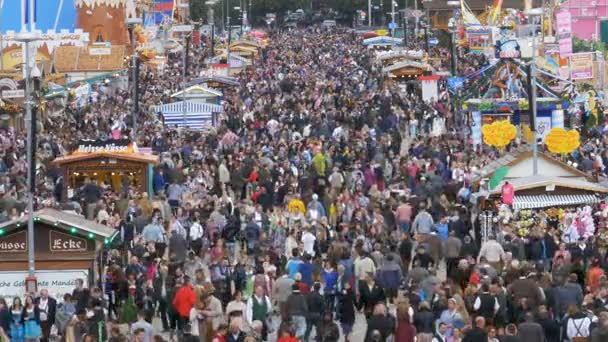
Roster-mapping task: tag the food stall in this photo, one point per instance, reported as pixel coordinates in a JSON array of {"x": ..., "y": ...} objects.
[
  {"x": 560, "y": 196},
  {"x": 113, "y": 162},
  {"x": 67, "y": 247}
]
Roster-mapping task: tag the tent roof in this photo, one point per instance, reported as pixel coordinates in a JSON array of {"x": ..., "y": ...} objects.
[
  {"x": 65, "y": 220},
  {"x": 412, "y": 54},
  {"x": 382, "y": 40},
  {"x": 243, "y": 48},
  {"x": 231, "y": 81},
  {"x": 193, "y": 91},
  {"x": 136, "y": 157},
  {"x": 532, "y": 182},
  {"x": 76, "y": 58},
  {"x": 248, "y": 43},
  {"x": 518, "y": 159},
  {"x": 406, "y": 64}
]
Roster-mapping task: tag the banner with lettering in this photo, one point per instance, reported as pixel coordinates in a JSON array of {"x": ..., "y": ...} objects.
[
  {"x": 564, "y": 32},
  {"x": 105, "y": 145},
  {"x": 581, "y": 66},
  {"x": 57, "y": 282}
]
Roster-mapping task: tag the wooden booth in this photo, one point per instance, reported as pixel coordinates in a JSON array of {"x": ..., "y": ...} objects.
[
  {"x": 67, "y": 247},
  {"x": 110, "y": 162}
]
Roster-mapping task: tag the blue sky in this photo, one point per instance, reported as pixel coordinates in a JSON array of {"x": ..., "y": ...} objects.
[{"x": 46, "y": 12}]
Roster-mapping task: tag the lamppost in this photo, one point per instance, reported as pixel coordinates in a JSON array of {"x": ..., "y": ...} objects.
[
  {"x": 26, "y": 38},
  {"x": 239, "y": 9},
  {"x": 369, "y": 13},
  {"x": 186, "y": 51},
  {"x": 211, "y": 21},
  {"x": 452, "y": 28},
  {"x": 131, "y": 23},
  {"x": 533, "y": 13}
]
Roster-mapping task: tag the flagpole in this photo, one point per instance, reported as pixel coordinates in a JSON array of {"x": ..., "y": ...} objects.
[
  {"x": 32, "y": 10},
  {"x": 58, "y": 14},
  {"x": 1, "y": 38},
  {"x": 23, "y": 5}
]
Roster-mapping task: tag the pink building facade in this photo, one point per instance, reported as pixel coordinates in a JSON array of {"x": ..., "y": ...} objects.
[{"x": 586, "y": 17}]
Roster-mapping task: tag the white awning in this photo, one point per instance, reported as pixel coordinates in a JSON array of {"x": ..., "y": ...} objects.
[
  {"x": 190, "y": 114},
  {"x": 545, "y": 201}
]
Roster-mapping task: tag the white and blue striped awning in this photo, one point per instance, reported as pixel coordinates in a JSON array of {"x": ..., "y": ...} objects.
[
  {"x": 198, "y": 115},
  {"x": 545, "y": 201}
]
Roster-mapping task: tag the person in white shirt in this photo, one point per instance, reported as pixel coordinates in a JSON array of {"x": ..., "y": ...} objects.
[
  {"x": 196, "y": 236},
  {"x": 47, "y": 306},
  {"x": 308, "y": 239},
  {"x": 290, "y": 243},
  {"x": 493, "y": 252}
]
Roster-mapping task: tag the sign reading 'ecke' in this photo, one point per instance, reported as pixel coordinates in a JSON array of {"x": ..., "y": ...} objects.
[{"x": 60, "y": 242}]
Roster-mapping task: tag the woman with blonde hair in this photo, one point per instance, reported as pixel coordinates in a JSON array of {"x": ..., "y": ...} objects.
[{"x": 461, "y": 308}]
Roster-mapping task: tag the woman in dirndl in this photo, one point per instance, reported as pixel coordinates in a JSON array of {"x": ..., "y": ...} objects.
[
  {"x": 16, "y": 321},
  {"x": 31, "y": 320}
]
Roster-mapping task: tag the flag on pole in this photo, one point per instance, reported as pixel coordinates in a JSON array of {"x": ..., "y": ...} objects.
[{"x": 27, "y": 11}]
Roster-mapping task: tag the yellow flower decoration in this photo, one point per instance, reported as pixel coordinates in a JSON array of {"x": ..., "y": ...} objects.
[
  {"x": 296, "y": 205},
  {"x": 499, "y": 133},
  {"x": 561, "y": 141}
]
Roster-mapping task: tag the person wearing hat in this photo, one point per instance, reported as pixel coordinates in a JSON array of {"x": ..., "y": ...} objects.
[{"x": 297, "y": 310}]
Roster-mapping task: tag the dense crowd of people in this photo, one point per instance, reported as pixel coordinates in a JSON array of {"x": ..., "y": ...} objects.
[{"x": 326, "y": 204}]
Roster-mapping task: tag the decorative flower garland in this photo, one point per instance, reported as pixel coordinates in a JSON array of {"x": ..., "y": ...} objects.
[{"x": 9, "y": 109}]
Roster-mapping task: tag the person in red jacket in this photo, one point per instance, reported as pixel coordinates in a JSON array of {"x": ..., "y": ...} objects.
[
  {"x": 287, "y": 336},
  {"x": 184, "y": 300}
]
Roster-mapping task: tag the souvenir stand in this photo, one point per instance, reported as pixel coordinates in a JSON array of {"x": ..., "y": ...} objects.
[{"x": 559, "y": 197}]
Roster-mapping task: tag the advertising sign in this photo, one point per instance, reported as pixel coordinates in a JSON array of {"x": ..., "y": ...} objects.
[
  {"x": 108, "y": 146},
  {"x": 57, "y": 282},
  {"x": 11, "y": 94},
  {"x": 543, "y": 126},
  {"x": 581, "y": 66},
  {"x": 96, "y": 51},
  {"x": 60, "y": 242},
  {"x": 564, "y": 32},
  {"x": 14, "y": 243}
]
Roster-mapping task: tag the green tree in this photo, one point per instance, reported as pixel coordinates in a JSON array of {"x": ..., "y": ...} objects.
[{"x": 580, "y": 45}]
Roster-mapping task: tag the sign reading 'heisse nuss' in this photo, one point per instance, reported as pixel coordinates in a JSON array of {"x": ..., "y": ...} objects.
[{"x": 109, "y": 145}]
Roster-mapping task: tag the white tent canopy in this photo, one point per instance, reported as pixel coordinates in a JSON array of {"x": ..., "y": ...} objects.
[
  {"x": 198, "y": 92},
  {"x": 198, "y": 115}
]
